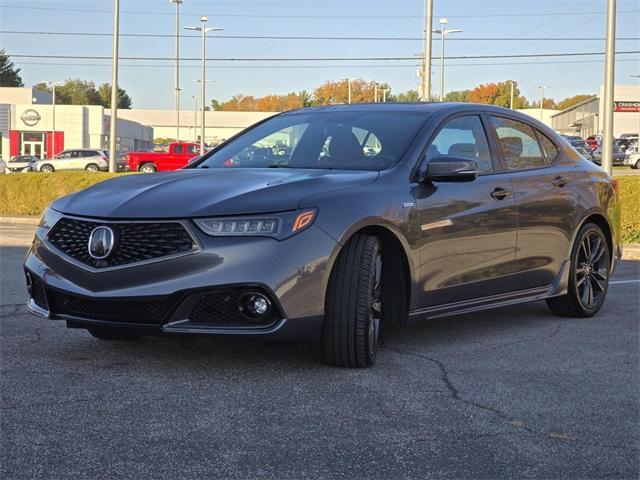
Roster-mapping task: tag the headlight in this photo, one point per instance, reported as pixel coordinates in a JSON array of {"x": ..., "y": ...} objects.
[
  {"x": 49, "y": 218},
  {"x": 278, "y": 226}
]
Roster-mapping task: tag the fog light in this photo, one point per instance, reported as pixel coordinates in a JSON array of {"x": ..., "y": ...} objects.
[
  {"x": 29, "y": 284},
  {"x": 254, "y": 305}
]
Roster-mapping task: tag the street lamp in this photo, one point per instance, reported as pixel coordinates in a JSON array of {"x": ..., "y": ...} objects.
[
  {"x": 195, "y": 116},
  {"x": 114, "y": 89},
  {"x": 541, "y": 87},
  {"x": 349, "y": 90},
  {"x": 511, "y": 82},
  {"x": 609, "y": 78},
  {"x": 177, "y": 80},
  {"x": 443, "y": 33},
  {"x": 53, "y": 117},
  {"x": 384, "y": 94},
  {"x": 203, "y": 30}
]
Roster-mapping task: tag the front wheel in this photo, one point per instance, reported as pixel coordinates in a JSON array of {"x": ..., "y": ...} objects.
[
  {"x": 588, "y": 275},
  {"x": 46, "y": 169},
  {"x": 353, "y": 310},
  {"x": 112, "y": 334},
  {"x": 637, "y": 165},
  {"x": 92, "y": 167}
]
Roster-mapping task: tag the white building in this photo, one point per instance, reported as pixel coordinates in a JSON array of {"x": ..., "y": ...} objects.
[
  {"x": 30, "y": 125},
  {"x": 585, "y": 118},
  {"x": 219, "y": 125},
  {"x": 545, "y": 115}
]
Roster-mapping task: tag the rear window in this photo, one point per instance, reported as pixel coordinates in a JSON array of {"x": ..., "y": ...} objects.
[{"x": 518, "y": 144}]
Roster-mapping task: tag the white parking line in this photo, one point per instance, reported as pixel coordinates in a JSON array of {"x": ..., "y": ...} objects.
[{"x": 623, "y": 281}]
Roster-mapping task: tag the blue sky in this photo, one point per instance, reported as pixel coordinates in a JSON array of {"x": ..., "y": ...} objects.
[{"x": 150, "y": 83}]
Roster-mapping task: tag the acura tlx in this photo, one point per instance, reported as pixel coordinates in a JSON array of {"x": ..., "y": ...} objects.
[{"x": 330, "y": 223}]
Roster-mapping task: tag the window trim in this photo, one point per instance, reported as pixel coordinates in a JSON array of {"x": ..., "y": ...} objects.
[
  {"x": 495, "y": 161},
  {"x": 535, "y": 131}
]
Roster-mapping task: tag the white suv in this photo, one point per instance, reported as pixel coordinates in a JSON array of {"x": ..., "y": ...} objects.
[{"x": 92, "y": 160}]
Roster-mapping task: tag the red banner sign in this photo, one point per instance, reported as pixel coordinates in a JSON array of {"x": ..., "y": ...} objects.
[{"x": 627, "y": 107}]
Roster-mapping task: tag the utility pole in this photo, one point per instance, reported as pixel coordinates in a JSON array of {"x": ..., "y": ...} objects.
[
  {"x": 195, "y": 118},
  {"x": 203, "y": 81},
  {"x": 53, "y": 119},
  {"x": 428, "y": 46},
  {"x": 349, "y": 90},
  {"x": 609, "y": 85},
  {"x": 177, "y": 80},
  {"x": 384, "y": 94},
  {"x": 511, "y": 97},
  {"x": 443, "y": 34},
  {"x": 113, "y": 133},
  {"x": 375, "y": 92},
  {"x": 541, "y": 87}
]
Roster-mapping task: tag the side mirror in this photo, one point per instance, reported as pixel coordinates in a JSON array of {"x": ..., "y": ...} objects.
[{"x": 448, "y": 169}]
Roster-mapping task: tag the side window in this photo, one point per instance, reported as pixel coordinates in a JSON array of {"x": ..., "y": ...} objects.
[
  {"x": 463, "y": 137},
  {"x": 194, "y": 149},
  {"x": 75, "y": 154},
  {"x": 177, "y": 149},
  {"x": 549, "y": 148},
  {"x": 518, "y": 143}
]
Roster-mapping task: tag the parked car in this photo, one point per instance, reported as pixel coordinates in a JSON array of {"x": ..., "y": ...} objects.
[
  {"x": 21, "y": 162},
  {"x": 593, "y": 141},
  {"x": 92, "y": 160},
  {"x": 585, "y": 153},
  {"x": 464, "y": 207},
  {"x": 618, "y": 155},
  {"x": 176, "y": 156},
  {"x": 633, "y": 160},
  {"x": 3, "y": 165}
]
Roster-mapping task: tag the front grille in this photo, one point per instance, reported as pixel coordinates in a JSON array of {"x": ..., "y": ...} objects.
[
  {"x": 220, "y": 308},
  {"x": 135, "y": 242},
  {"x": 146, "y": 312}
]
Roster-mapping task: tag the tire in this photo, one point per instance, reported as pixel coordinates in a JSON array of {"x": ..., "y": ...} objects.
[
  {"x": 353, "y": 307},
  {"x": 637, "y": 165},
  {"x": 47, "y": 169},
  {"x": 588, "y": 275},
  {"x": 92, "y": 167},
  {"x": 111, "y": 334},
  {"x": 148, "y": 168}
]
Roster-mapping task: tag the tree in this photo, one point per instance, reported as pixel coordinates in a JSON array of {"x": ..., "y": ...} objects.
[
  {"x": 215, "y": 104},
  {"x": 9, "y": 74},
  {"x": 457, "y": 96},
  {"x": 337, "y": 91},
  {"x": 408, "y": 96},
  {"x": 104, "y": 92},
  {"x": 548, "y": 103},
  {"x": 498, "y": 94},
  {"x": 571, "y": 101}
]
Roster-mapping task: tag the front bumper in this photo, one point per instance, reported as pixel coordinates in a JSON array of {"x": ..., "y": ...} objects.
[{"x": 291, "y": 273}]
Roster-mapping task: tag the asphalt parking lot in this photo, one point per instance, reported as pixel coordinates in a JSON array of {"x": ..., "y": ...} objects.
[{"x": 514, "y": 392}]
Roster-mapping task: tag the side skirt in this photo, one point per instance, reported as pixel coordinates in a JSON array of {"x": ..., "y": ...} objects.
[{"x": 558, "y": 287}]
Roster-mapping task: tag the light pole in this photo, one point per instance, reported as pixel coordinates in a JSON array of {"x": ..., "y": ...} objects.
[
  {"x": 53, "y": 118},
  {"x": 541, "y": 87},
  {"x": 428, "y": 46},
  {"x": 384, "y": 94},
  {"x": 114, "y": 89},
  {"x": 375, "y": 92},
  {"x": 203, "y": 30},
  {"x": 609, "y": 78},
  {"x": 203, "y": 105},
  {"x": 349, "y": 90},
  {"x": 443, "y": 34},
  {"x": 177, "y": 82},
  {"x": 195, "y": 117},
  {"x": 511, "y": 82}
]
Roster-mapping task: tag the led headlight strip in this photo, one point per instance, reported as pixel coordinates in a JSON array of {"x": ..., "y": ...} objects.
[{"x": 279, "y": 226}]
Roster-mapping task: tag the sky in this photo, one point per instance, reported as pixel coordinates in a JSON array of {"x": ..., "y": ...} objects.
[{"x": 551, "y": 26}]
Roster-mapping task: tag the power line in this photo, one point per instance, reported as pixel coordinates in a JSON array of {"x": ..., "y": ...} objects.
[
  {"x": 308, "y": 37},
  {"x": 326, "y": 17},
  {"x": 316, "y": 59}
]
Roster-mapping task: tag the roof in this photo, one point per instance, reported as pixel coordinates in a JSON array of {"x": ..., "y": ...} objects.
[{"x": 579, "y": 104}]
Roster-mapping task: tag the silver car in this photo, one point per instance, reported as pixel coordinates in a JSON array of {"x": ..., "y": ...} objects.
[
  {"x": 21, "y": 162},
  {"x": 90, "y": 159}
]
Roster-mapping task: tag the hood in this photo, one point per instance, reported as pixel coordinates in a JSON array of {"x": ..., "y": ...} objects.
[{"x": 206, "y": 192}]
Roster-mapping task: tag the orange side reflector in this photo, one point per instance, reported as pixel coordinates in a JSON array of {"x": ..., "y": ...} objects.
[{"x": 302, "y": 220}]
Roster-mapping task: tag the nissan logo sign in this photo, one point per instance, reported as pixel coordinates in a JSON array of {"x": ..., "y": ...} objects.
[{"x": 30, "y": 117}]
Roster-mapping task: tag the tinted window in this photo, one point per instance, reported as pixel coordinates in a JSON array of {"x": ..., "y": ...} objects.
[
  {"x": 463, "y": 137},
  {"x": 518, "y": 143},
  {"x": 353, "y": 140},
  {"x": 194, "y": 149},
  {"x": 549, "y": 148},
  {"x": 177, "y": 149}
]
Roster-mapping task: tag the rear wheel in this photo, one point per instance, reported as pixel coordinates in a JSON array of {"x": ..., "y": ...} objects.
[
  {"x": 353, "y": 310},
  {"x": 46, "y": 169},
  {"x": 637, "y": 165},
  {"x": 148, "y": 168},
  {"x": 92, "y": 167},
  {"x": 112, "y": 334},
  {"x": 588, "y": 276}
]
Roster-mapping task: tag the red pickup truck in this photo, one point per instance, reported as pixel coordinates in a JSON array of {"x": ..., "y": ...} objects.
[{"x": 177, "y": 156}]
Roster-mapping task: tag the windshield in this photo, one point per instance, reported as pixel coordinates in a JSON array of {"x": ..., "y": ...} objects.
[{"x": 325, "y": 140}]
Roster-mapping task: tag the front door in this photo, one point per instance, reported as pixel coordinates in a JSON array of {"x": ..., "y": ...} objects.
[
  {"x": 468, "y": 229},
  {"x": 32, "y": 148}
]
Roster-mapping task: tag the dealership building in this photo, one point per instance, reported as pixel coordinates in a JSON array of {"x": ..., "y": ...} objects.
[
  {"x": 31, "y": 125},
  {"x": 585, "y": 118}
]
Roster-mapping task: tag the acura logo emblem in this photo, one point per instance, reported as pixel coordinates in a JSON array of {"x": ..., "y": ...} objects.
[{"x": 101, "y": 242}]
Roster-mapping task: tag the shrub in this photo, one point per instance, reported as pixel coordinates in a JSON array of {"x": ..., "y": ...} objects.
[{"x": 630, "y": 199}]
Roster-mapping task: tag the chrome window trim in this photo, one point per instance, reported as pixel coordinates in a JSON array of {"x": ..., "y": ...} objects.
[{"x": 185, "y": 223}]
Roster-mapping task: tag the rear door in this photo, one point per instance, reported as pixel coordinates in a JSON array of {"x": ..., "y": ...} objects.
[
  {"x": 468, "y": 230},
  {"x": 544, "y": 196}
]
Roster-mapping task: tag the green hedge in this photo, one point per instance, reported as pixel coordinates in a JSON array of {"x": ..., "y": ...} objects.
[{"x": 29, "y": 193}]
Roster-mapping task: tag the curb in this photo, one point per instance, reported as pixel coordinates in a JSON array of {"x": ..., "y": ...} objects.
[
  {"x": 631, "y": 251},
  {"x": 20, "y": 220}
]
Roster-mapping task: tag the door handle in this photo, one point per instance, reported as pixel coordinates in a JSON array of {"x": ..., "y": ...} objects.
[
  {"x": 560, "y": 181},
  {"x": 500, "y": 193}
]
